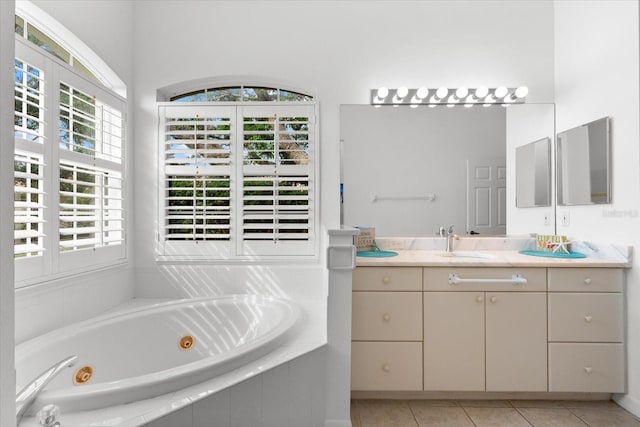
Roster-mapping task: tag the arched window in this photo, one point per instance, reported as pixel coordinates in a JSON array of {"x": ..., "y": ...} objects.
[
  {"x": 69, "y": 150},
  {"x": 239, "y": 168}
]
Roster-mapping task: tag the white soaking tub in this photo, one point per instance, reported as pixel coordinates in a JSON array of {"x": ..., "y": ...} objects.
[{"x": 140, "y": 353}]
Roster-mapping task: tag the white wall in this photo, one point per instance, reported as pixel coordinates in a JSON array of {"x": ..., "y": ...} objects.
[
  {"x": 597, "y": 54},
  {"x": 7, "y": 372},
  {"x": 525, "y": 124},
  {"x": 106, "y": 27}
]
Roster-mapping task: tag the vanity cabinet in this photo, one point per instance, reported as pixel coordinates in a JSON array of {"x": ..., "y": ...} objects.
[
  {"x": 386, "y": 350},
  {"x": 486, "y": 329},
  {"x": 493, "y": 338},
  {"x": 586, "y": 330}
]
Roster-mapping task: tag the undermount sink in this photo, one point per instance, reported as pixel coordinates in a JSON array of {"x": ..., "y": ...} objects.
[{"x": 461, "y": 254}]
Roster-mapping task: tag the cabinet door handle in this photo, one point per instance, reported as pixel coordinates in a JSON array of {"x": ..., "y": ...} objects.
[
  {"x": 386, "y": 317},
  {"x": 479, "y": 299},
  {"x": 587, "y": 281},
  {"x": 588, "y": 369},
  {"x": 386, "y": 367},
  {"x": 386, "y": 280},
  {"x": 493, "y": 299},
  {"x": 588, "y": 319}
]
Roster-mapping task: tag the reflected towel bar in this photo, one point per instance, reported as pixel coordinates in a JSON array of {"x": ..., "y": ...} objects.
[
  {"x": 516, "y": 279},
  {"x": 429, "y": 197}
]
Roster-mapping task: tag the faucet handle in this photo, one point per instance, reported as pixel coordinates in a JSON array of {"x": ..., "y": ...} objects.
[
  {"x": 48, "y": 414},
  {"x": 450, "y": 230}
]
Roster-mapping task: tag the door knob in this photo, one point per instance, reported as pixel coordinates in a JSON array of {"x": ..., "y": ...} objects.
[
  {"x": 493, "y": 299},
  {"x": 386, "y": 280},
  {"x": 588, "y": 369},
  {"x": 386, "y": 367},
  {"x": 588, "y": 319},
  {"x": 479, "y": 299},
  {"x": 386, "y": 317}
]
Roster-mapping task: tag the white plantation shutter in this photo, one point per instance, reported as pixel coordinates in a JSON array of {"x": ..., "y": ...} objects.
[
  {"x": 90, "y": 207},
  {"x": 28, "y": 204},
  {"x": 69, "y": 169},
  {"x": 29, "y": 165},
  {"x": 238, "y": 180},
  {"x": 90, "y": 141},
  {"x": 198, "y": 145},
  {"x": 277, "y": 170}
]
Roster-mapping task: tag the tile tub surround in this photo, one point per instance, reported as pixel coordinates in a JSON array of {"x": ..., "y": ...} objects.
[
  {"x": 490, "y": 413},
  {"x": 306, "y": 337}
]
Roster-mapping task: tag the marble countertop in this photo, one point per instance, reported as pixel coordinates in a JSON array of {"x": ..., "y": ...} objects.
[{"x": 485, "y": 258}]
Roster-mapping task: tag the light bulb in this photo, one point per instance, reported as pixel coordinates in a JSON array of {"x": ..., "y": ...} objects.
[
  {"x": 422, "y": 92},
  {"x": 501, "y": 92},
  {"x": 462, "y": 92},
  {"x": 442, "y": 92},
  {"x": 402, "y": 92},
  {"x": 481, "y": 92},
  {"x": 522, "y": 92},
  {"x": 382, "y": 92}
]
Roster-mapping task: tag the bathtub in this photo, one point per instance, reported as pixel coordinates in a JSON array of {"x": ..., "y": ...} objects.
[{"x": 140, "y": 353}]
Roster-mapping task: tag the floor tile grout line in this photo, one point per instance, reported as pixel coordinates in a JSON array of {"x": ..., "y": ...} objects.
[
  {"x": 578, "y": 416},
  {"x": 468, "y": 416}
]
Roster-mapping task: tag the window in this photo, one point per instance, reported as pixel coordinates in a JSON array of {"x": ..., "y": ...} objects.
[
  {"x": 238, "y": 179},
  {"x": 68, "y": 175}
]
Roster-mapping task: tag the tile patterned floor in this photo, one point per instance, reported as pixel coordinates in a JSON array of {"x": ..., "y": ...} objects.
[{"x": 489, "y": 413}]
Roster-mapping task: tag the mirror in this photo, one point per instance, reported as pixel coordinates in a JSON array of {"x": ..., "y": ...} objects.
[
  {"x": 408, "y": 171},
  {"x": 583, "y": 164},
  {"x": 533, "y": 174}
]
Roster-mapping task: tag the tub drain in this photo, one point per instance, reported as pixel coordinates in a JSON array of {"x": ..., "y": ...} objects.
[
  {"x": 83, "y": 375},
  {"x": 186, "y": 342}
]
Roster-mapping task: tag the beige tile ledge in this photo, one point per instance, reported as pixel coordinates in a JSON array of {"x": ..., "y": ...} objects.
[{"x": 497, "y": 258}]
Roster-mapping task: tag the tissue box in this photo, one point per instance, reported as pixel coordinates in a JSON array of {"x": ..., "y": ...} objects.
[
  {"x": 366, "y": 240},
  {"x": 552, "y": 243}
]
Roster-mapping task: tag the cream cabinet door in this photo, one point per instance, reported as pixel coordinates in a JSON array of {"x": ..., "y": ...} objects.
[
  {"x": 454, "y": 341},
  {"x": 516, "y": 341}
]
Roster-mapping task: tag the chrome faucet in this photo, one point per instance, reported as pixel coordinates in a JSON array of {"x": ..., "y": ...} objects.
[
  {"x": 450, "y": 236},
  {"x": 28, "y": 395}
]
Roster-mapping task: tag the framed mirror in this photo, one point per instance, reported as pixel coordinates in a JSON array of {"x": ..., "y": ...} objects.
[
  {"x": 533, "y": 174},
  {"x": 583, "y": 164}
]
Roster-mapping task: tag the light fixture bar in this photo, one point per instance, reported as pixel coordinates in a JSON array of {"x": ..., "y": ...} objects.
[{"x": 482, "y": 95}]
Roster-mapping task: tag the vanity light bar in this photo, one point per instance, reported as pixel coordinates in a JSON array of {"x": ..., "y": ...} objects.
[{"x": 447, "y": 96}]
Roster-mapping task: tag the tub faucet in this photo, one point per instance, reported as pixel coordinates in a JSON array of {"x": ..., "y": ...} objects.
[
  {"x": 450, "y": 236},
  {"x": 28, "y": 395}
]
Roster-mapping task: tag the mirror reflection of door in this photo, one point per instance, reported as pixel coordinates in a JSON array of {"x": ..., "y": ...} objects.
[{"x": 486, "y": 196}]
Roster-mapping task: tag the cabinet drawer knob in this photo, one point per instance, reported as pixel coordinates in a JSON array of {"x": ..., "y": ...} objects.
[
  {"x": 588, "y": 319},
  {"x": 493, "y": 299},
  {"x": 588, "y": 369},
  {"x": 386, "y": 367},
  {"x": 386, "y": 280},
  {"x": 386, "y": 317},
  {"x": 587, "y": 281},
  {"x": 479, "y": 299}
]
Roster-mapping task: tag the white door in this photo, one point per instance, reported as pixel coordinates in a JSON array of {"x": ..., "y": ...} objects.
[{"x": 486, "y": 196}]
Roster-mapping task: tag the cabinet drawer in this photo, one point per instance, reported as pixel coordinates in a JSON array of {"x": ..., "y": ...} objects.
[
  {"x": 577, "y": 367},
  {"x": 585, "y": 279},
  {"x": 386, "y": 366},
  {"x": 582, "y": 317},
  {"x": 387, "y": 279},
  {"x": 384, "y": 316},
  {"x": 437, "y": 279}
]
